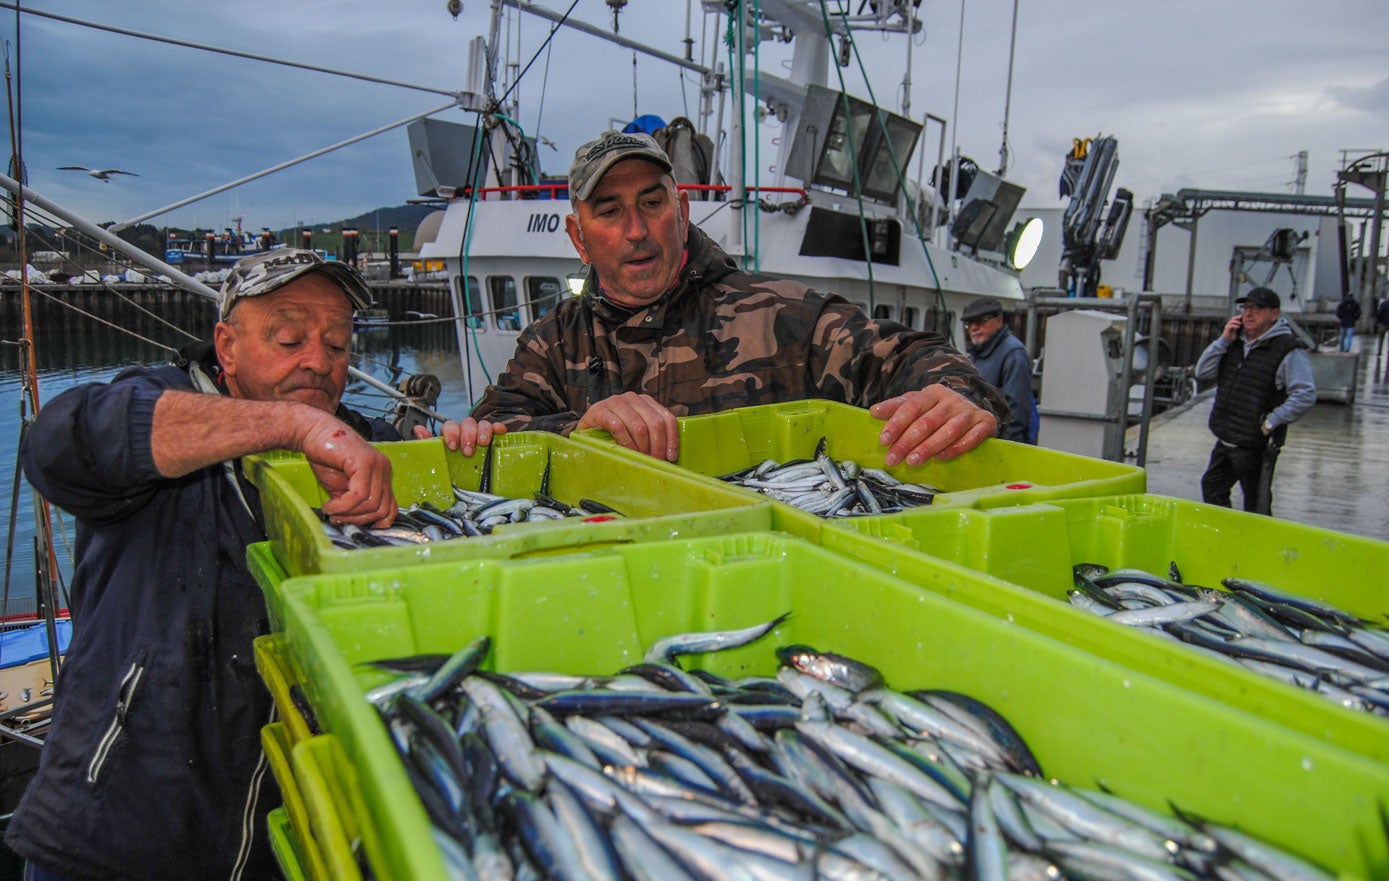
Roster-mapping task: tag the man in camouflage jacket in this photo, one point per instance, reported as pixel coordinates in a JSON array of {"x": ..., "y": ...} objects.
[{"x": 669, "y": 326}]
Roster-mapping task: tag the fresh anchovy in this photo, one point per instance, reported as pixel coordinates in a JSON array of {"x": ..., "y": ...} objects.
[
  {"x": 474, "y": 513},
  {"x": 829, "y": 667},
  {"x": 666, "y": 650},
  {"x": 829, "y": 488},
  {"x": 1300, "y": 641},
  {"x": 620, "y": 790}
]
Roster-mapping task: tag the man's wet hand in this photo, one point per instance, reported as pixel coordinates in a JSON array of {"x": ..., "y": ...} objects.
[
  {"x": 936, "y": 422},
  {"x": 467, "y": 434},
  {"x": 637, "y": 422},
  {"x": 355, "y": 474}
]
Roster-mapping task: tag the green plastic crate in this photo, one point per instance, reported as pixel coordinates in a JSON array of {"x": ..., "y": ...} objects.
[
  {"x": 993, "y": 474},
  {"x": 656, "y": 504},
  {"x": 1029, "y": 551},
  {"x": 286, "y": 847},
  {"x": 1090, "y": 721}
]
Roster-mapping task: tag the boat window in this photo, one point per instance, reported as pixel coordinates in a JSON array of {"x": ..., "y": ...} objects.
[
  {"x": 542, "y": 294},
  {"x": 909, "y": 317},
  {"x": 504, "y": 302},
  {"x": 472, "y": 297},
  {"x": 882, "y": 312}
]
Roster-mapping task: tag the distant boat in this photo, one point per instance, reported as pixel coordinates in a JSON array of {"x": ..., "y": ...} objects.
[{"x": 226, "y": 248}]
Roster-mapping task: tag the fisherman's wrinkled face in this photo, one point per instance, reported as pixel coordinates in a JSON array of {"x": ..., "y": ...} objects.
[
  {"x": 289, "y": 345},
  {"x": 1257, "y": 319},
  {"x": 632, "y": 231}
]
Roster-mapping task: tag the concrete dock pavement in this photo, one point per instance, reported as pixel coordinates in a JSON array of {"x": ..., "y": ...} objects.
[{"x": 1334, "y": 468}]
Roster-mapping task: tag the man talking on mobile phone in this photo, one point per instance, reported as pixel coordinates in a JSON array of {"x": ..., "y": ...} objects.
[{"x": 1263, "y": 384}]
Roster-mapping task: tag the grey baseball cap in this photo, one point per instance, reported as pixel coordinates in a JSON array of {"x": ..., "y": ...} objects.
[
  {"x": 271, "y": 270},
  {"x": 592, "y": 160}
]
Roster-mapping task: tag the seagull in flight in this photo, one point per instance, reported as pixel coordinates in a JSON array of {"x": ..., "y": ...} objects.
[{"x": 101, "y": 174}]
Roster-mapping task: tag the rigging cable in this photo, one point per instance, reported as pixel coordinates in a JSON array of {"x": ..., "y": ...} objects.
[
  {"x": 902, "y": 182},
  {"x": 467, "y": 237},
  {"x": 734, "y": 41},
  {"x": 853, "y": 151},
  {"x": 756, "y": 134},
  {"x": 46, "y": 570}
]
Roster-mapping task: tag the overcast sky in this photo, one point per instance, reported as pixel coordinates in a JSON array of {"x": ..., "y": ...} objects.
[{"x": 1219, "y": 94}]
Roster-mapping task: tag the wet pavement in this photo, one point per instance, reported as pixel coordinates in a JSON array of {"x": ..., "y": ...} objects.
[{"x": 1334, "y": 469}]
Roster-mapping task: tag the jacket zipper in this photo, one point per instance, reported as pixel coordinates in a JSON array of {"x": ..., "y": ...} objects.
[{"x": 127, "y": 693}]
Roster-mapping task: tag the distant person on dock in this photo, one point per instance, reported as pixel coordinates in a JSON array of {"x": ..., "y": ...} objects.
[
  {"x": 1262, "y": 385},
  {"x": 1382, "y": 321},
  {"x": 1347, "y": 312},
  {"x": 668, "y": 325},
  {"x": 153, "y": 766},
  {"x": 1002, "y": 359}
]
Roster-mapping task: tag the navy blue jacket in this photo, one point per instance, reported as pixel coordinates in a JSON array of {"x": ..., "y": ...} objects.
[
  {"x": 1003, "y": 362},
  {"x": 153, "y": 765}
]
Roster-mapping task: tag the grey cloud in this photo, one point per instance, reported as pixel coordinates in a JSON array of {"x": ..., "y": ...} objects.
[{"x": 1373, "y": 98}]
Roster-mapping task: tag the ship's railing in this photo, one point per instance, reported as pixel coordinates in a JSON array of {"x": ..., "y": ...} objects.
[{"x": 560, "y": 190}]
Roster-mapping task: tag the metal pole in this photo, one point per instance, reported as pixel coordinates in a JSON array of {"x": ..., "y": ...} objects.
[
  {"x": 283, "y": 165},
  {"x": 1191, "y": 262},
  {"x": 1154, "y": 303},
  {"x": 592, "y": 31},
  {"x": 1368, "y": 300},
  {"x": 955, "y": 123},
  {"x": 104, "y": 236},
  {"x": 189, "y": 284}
]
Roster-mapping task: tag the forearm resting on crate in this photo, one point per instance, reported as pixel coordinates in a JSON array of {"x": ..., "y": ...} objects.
[{"x": 192, "y": 431}]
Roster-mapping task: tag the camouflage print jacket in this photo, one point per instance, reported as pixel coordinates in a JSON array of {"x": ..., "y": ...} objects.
[{"x": 723, "y": 338}]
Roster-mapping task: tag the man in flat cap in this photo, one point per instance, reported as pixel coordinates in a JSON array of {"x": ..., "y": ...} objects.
[
  {"x": 1002, "y": 359},
  {"x": 1263, "y": 384},
  {"x": 153, "y": 766},
  {"x": 668, "y": 325}
]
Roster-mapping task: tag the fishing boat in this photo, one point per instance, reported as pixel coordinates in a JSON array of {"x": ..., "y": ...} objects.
[{"x": 839, "y": 212}]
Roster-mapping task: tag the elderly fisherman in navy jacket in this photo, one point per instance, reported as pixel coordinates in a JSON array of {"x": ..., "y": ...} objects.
[
  {"x": 1002, "y": 360},
  {"x": 153, "y": 766}
]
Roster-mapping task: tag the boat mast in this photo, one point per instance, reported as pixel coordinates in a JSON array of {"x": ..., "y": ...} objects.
[{"x": 1008, "y": 99}]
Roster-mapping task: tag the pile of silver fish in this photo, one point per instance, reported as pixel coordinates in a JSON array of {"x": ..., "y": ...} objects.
[
  {"x": 474, "y": 513},
  {"x": 828, "y": 488},
  {"x": 818, "y": 772},
  {"x": 1298, "y": 640}
]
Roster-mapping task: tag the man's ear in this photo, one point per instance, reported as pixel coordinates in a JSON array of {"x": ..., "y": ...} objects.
[
  {"x": 223, "y": 339},
  {"x": 576, "y": 236}
]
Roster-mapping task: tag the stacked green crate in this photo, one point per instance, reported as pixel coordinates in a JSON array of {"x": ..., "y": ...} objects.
[
  {"x": 993, "y": 474},
  {"x": 653, "y": 504},
  {"x": 1090, "y": 721},
  {"x": 1025, "y": 557}
]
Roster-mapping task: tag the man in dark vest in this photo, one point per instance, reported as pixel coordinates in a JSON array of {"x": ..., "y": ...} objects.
[{"x": 1262, "y": 385}]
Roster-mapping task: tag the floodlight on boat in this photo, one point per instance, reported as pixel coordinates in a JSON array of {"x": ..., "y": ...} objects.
[{"x": 1023, "y": 241}]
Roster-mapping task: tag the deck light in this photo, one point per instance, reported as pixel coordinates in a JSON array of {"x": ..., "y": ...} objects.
[{"x": 1023, "y": 241}]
